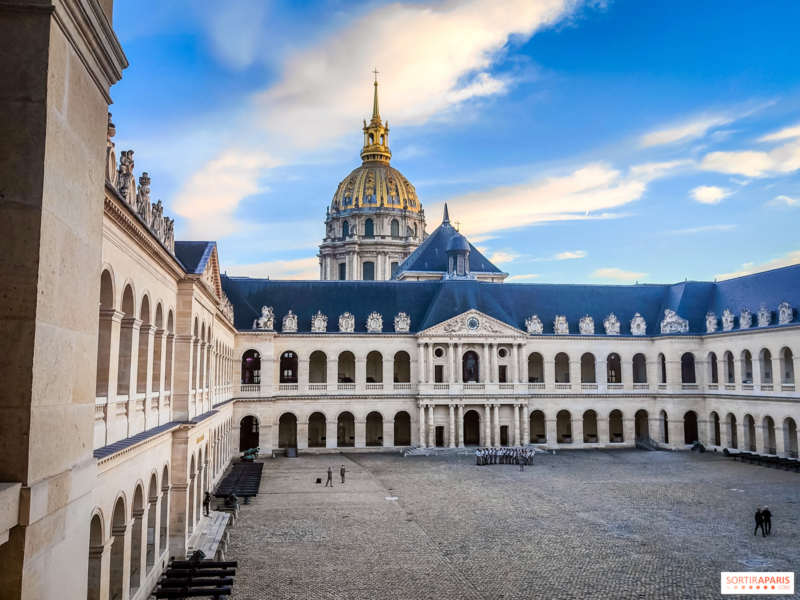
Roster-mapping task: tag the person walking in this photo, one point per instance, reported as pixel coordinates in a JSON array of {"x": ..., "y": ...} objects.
[
  {"x": 330, "y": 477},
  {"x": 521, "y": 464},
  {"x": 342, "y": 472},
  {"x": 767, "y": 520},
  {"x": 206, "y": 503},
  {"x": 759, "y": 523}
]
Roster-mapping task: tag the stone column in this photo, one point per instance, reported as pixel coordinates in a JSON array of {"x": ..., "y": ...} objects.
[
  {"x": 388, "y": 434},
  {"x": 577, "y": 429},
  {"x": 552, "y": 432},
  {"x": 451, "y": 376},
  {"x": 421, "y": 362},
  {"x": 331, "y": 433},
  {"x": 629, "y": 430},
  {"x": 549, "y": 365},
  {"x": 460, "y": 425},
  {"x": 575, "y": 376},
  {"x": 452, "y": 431},
  {"x": 431, "y": 427},
  {"x": 739, "y": 434},
  {"x": 302, "y": 374},
  {"x": 422, "y": 428},
  {"x": 487, "y": 441},
  {"x": 601, "y": 374},
  {"x": 100, "y": 569},
  {"x": 526, "y": 426},
  {"x": 332, "y": 372},
  {"x": 459, "y": 352},
  {"x": 603, "y": 429},
  {"x": 138, "y": 547},
  {"x": 486, "y": 370},
  {"x": 626, "y": 364},
  {"x": 361, "y": 434},
  {"x": 302, "y": 435},
  {"x": 429, "y": 364},
  {"x": 497, "y": 425},
  {"x": 361, "y": 373},
  {"x": 760, "y": 445},
  {"x": 515, "y": 363},
  {"x": 676, "y": 434},
  {"x": 777, "y": 376},
  {"x": 516, "y": 407},
  {"x": 653, "y": 373}
]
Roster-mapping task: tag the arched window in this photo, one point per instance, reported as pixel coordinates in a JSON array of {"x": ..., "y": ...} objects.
[
  {"x": 747, "y": 367},
  {"x": 288, "y": 367},
  {"x": 639, "y": 368},
  {"x": 248, "y": 433},
  {"x": 663, "y": 363},
  {"x": 251, "y": 368},
  {"x": 382, "y": 138},
  {"x": 729, "y": 368},
  {"x": 562, "y": 368},
  {"x": 402, "y": 367},
  {"x": 369, "y": 228},
  {"x": 374, "y": 367},
  {"x": 687, "y": 368},
  {"x": 535, "y": 368},
  {"x": 347, "y": 367},
  {"x": 787, "y": 367},
  {"x": 395, "y": 228},
  {"x": 765, "y": 365},
  {"x": 414, "y": 229},
  {"x": 345, "y": 229},
  {"x": 318, "y": 367},
  {"x": 588, "y": 368},
  {"x": 712, "y": 365},
  {"x": 470, "y": 367},
  {"x": 614, "y": 368}
]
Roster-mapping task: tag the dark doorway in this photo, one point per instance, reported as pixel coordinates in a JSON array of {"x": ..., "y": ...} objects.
[
  {"x": 402, "y": 429},
  {"x": 504, "y": 435},
  {"x": 316, "y": 430},
  {"x": 248, "y": 434},
  {"x": 690, "y": 427},
  {"x": 346, "y": 431},
  {"x": 287, "y": 431},
  {"x": 440, "y": 436},
  {"x": 251, "y": 368},
  {"x": 471, "y": 370},
  {"x": 374, "y": 429},
  {"x": 472, "y": 428}
]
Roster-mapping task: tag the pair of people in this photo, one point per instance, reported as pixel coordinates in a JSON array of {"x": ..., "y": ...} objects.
[
  {"x": 342, "y": 471},
  {"x": 763, "y": 521},
  {"x": 504, "y": 456}
]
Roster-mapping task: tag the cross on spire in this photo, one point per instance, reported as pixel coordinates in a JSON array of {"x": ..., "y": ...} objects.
[
  {"x": 376, "y": 74},
  {"x": 458, "y": 225},
  {"x": 376, "y": 113}
]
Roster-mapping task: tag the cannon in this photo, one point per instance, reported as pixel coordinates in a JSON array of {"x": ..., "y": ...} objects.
[
  {"x": 250, "y": 455},
  {"x": 698, "y": 447}
]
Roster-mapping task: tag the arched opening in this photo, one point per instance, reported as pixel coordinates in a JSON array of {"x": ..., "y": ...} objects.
[
  {"x": 663, "y": 427},
  {"x": 201, "y": 486},
  {"x": 588, "y": 370},
  {"x": 687, "y": 368},
  {"x": 402, "y": 367},
  {"x": 136, "y": 540},
  {"x": 251, "y": 368},
  {"x": 614, "y": 368},
  {"x": 765, "y": 366},
  {"x": 317, "y": 426},
  {"x": 564, "y": 427},
  {"x": 402, "y": 429},
  {"x": 287, "y": 431},
  {"x": 713, "y": 372},
  {"x": 288, "y": 367},
  {"x": 345, "y": 229},
  {"x": 170, "y": 353},
  {"x": 615, "y": 428},
  {"x": 345, "y": 431},
  {"x": 716, "y": 437},
  {"x": 729, "y": 368},
  {"x": 159, "y": 325},
  {"x": 152, "y": 513},
  {"x": 662, "y": 363},
  {"x": 347, "y": 367},
  {"x": 395, "y": 228},
  {"x": 164, "y": 533},
  {"x": 535, "y": 368},
  {"x": 790, "y": 437},
  {"x": 119, "y": 526},
  {"x": 787, "y": 367},
  {"x": 770, "y": 443},
  {"x": 318, "y": 367},
  {"x": 95, "y": 558},
  {"x": 747, "y": 367},
  {"x": 374, "y": 367},
  {"x": 470, "y": 367},
  {"x": 374, "y": 429},
  {"x": 538, "y": 430},
  {"x": 639, "y": 368},
  {"x": 730, "y": 430},
  {"x": 371, "y": 139},
  {"x": 369, "y": 228},
  {"x": 562, "y": 368},
  {"x": 641, "y": 424},
  {"x": 690, "y": 427},
  {"x": 368, "y": 271},
  {"x": 104, "y": 340},
  {"x": 248, "y": 433},
  {"x": 749, "y": 433},
  {"x": 590, "y": 427},
  {"x": 144, "y": 347},
  {"x": 126, "y": 350},
  {"x": 472, "y": 428}
]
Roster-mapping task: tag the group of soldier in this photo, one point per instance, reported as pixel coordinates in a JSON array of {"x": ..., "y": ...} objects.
[{"x": 504, "y": 456}]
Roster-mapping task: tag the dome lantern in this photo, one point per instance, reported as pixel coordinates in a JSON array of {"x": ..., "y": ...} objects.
[{"x": 376, "y": 134}]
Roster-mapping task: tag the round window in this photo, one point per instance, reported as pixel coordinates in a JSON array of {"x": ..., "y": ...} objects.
[
  {"x": 502, "y": 353},
  {"x": 439, "y": 352},
  {"x": 473, "y": 323}
]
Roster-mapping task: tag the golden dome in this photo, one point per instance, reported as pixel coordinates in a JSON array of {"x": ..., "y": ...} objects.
[{"x": 375, "y": 183}]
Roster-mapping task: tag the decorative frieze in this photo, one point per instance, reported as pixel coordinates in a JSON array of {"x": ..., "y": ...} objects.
[
  {"x": 785, "y": 313},
  {"x": 290, "y": 323},
  {"x": 727, "y": 319},
  {"x": 560, "y": 325},
  {"x": 611, "y": 324},
  {"x": 672, "y": 323},
  {"x": 638, "y": 325},
  {"x": 319, "y": 323},
  {"x": 764, "y": 316},
  {"x": 402, "y": 323},
  {"x": 711, "y": 322},
  {"x": 586, "y": 325},
  {"x": 374, "y": 323},
  {"x": 534, "y": 325},
  {"x": 347, "y": 323},
  {"x": 266, "y": 322}
]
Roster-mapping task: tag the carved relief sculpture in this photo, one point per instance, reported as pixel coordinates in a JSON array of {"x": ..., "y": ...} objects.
[
  {"x": 611, "y": 324},
  {"x": 226, "y": 307},
  {"x": 672, "y": 323},
  {"x": 347, "y": 323},
  {"x": 745, "y": 319},
  {"x": 143, "y": 207},
  {"x": 126, "y": 182},
  {"x": 711, "y": 322},
  {"x": 586, "y": 325},
  {"x": 374, "y": 323},
  {"x": 785, "y": 313},
  {"x": 764, "y": 316},
  {"x": 560, "y": 325},
  {"x": 267, "y": 320},
  {"x": 111, "y": 155},
  {"x": 534, "y": 325},
  {"x": 319, "y": 322},
  {"x": 638, "y": 325},
  {"x": 402, "y": 323},
  {"x": 290, "y": 323},
  {"x": 727, "y": 319}
]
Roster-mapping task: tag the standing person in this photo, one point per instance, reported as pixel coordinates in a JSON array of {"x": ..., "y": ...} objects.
[
  {"x": 330, "y": 477},
  {"x": 521, "y": 464},
  {"x": 341, "y": 472},
  {"x": 759, "y": 523},
  {"x": 477, "y": 457},
  {"x": 767, "y": 519},
  {"x": 206, "y": 503}
]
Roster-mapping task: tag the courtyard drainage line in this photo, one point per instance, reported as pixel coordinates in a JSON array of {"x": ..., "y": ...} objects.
[{"x": 459, "y": 575}]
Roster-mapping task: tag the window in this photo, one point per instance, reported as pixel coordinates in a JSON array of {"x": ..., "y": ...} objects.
[
  {"x": 368, "y": 270},
  {"x": 288, "y": 367},
  {"x": 394, "y": 267},
  {"x": 345, "y": 229},
  {"x": 369, "y": 228},
  {"x": 439, "y": 352},
  {"x": 502, "y": 353},
  {"x": 503, "y": 374},
  {"x": 342, "y": 271},
  {"x": 395, "y": 228},
  {"x": 439, "y": 374},
  {"x": 470, "y": 367}
]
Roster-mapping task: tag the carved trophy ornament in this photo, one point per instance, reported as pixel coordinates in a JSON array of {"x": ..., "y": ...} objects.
[
  {"x": 611, "y": 324},
  {"x": 374, "y": 323},
  {"x": 347, "y": 323},
  {"x": 711, "y": 322},
  {"x": 727, "y": 319},
  {"x": 586, "y": 325},
  {"x": 402, "y": 323},
  {"x": 111, "y": 155},
  {"x": 534, "y": 325},
  {"x": 560, "y": 325},
  {"x": 672, "y": 323},
  {"x": 126, "y": 182},
  {"x": 290, "y": 323},
  {"x": 319, "y": 322},
  {"x": 143, "y": 207},
  {"x": 638, "y": 325},
  {"x": 745, "y": 319},
  {"x": 764, "y": 316},
  {"x": 226, "y": 307},
  {"x": 266, "y": 321},
  {"x": 785, "y": 313}
]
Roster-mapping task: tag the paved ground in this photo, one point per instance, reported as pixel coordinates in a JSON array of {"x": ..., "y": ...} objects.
[{"x": 581, "y": 524}]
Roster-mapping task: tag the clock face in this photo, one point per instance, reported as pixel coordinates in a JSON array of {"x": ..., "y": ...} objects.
[{"x": 473, "y": 323}]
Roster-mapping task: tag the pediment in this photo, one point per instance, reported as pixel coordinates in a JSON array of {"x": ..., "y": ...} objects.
[
  {"x": 465, "y": 325},
  {"x": 211, "y": 274}
]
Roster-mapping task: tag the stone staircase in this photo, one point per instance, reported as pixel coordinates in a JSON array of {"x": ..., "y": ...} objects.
[{"x": 648, "y": 443}]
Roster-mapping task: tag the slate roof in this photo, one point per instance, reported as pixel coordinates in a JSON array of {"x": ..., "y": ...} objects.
[
  {"x": 194, "y": 255},
  {"x": 429, "y": 303}
]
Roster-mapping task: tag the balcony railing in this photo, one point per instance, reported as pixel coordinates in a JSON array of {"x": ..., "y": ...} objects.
[
  {"x": 442, "y": 387},
  {"x": 374, "y": 386},
  {"x": 474, "y": 387},
  {"x": 616, "y": 386},
  {"x": 505, "y": 386},
  {"x": 532, "y": 387},
  {"x": 662, "y": 387},
  {"x": 250, "y": 387},
  {"x": 766, "y": 387},
  {"x": 689, "y": 387},
  {"x": 563, "y": 386},
  {"x": 713, "y": 387},
  {"x": 588, "y": 386},
  {"x": 346, "y": 387},
  {"x": 787, "y": 387},
  {"x": 747, "y": 387},
  {"x": 730, "y": 387},
  {"x": 641, "y": 386},
  {"x": 401, "y": 386},
  {"x": 317, "y": 387},
  {"x": 287, "y": 387}
]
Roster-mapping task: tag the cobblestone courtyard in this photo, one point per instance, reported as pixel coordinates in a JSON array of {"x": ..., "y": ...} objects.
[{"x": 580, "y": 524}]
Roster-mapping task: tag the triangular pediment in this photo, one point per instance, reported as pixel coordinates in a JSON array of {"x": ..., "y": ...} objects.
[
  {"x": 473, "y": 323},
  {"x": 211, "y": 274}
]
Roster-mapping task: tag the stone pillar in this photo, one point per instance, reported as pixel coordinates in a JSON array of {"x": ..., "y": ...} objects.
[
  {"x": 121, "y": 571},
  {"x": 388, "y": 434},
  {"x": 460, "y": 425},
  {"x": 459, "y": 353},
  {"x": 100, "y": 569},
  {"x": 739, "y": 436},
  {"x": 302, "y": 374},
  {"x": 654, "y": 373},
  {"x": 626, "y": 364},
  {"x": 552, "y": 432},
  {"x": 575, "y": 375},
  {"x": 603, "y": 429},
  {"x": 361, "y": 434},
  {"x": 487, "y": 440},
  {"x": 777, "y": 376},
  {"x": 517, "y": 441},
  {"x": 451, "y": 375},
  {"x": 361, "y": 373},
  {"x": 549, "y": 365},
  {"x": 180, "y": 397},
  {"x": 452, "y": 429},
  {"x": 331, "y": 433},
  {"x": 703, "y": 428},
  {"x": 497, "y": 425},
  {"x": 422, "y": 428},
  {"x": 526, "y": 426},
  {"x": 332, "y": 372},
  {"x": 138, "y": 547},
  {"x": 676, "y": 434},
  {"x": 431, "y": 427},
  {"x": 577, "y": 429},
  {"x": 629, "y": 430},
  {"x": 429, "y": 364},
  {"x": 760, "y": 445},
  {"x": 302, "y": 435},
  {"x": 601, "y": 374},
  {"x": 421, "y": 362},
  {"x": 388, "y": 372}
]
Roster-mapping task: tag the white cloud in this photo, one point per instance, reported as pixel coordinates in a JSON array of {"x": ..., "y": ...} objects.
[
  {"x": 784, "y": 201},
  {"x": 301, "y": 268},
  {"x": 237, "y": 31},
  {"x": 522, "y": 277},
  {"x": 710, "y": 194},
  {"x": 754, "y": 163},
  {"x": 502, "y": 257},
  {"x": 788, "y": 259},
  {"x": 686, "y": 131},
  {"x": 568, "y": 255},
  {"x": 703, "y": 229},
  {"x": 616, "y": 274}
]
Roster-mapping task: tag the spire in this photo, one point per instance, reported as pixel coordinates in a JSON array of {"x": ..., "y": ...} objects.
[
  {"x": 376, "y": 113},
  {"x": 446, "y": 218},
  {"x": 376, "y": 134}
]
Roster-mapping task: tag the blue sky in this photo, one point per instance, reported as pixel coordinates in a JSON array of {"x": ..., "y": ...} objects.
[{"x": 582, "y": 142}]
